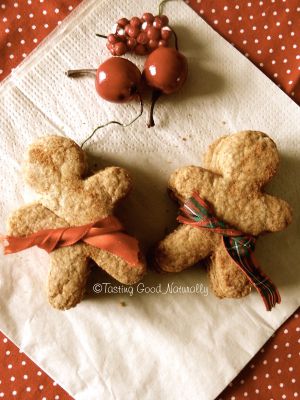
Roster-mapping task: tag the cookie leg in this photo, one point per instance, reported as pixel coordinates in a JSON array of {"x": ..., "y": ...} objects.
[
  {"x": 183, "y": 248},
  {"x": 118, "y": 268},
  {"x": 227, "y": 280},
  {"x": 67, "y": 276}
]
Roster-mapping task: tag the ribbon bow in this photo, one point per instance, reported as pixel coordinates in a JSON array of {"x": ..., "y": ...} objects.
[
  {"x": 240, "y": 246},
  {"x": 105, "y": 234}
]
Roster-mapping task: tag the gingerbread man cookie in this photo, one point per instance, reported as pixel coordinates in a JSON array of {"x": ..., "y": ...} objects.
[
  {"x": 228, "y": 191},
  {"x": 55, "y": 168}
]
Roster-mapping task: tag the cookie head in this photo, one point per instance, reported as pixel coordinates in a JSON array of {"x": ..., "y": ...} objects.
[
  {"x": 248, "y": 155},
  {"x": 53, "y": 161}
]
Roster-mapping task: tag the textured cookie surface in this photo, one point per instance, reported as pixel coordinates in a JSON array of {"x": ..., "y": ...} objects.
[
  {"x": 236, "y": 168},
  {"x": 55, "y": 167}
]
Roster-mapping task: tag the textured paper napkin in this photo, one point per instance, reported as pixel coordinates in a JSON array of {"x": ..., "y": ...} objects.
[{"x": 160, "y": 346}]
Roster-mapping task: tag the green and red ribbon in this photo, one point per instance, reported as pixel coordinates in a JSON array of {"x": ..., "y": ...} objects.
[{"x": 240, "y": 246}]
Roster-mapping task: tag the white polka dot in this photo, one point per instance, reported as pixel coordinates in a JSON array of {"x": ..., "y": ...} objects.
[
  {"x": 276, "y": 359},
  {"x": 23, "y": 362},
  {"x": 252, "y": 366},
  {"x": 71, "y": 8},
  {"x": 274, "y": 12},
  {"x": 290, "y": 23},
  {"x": 258, "y": 51},
  {"x": 25, "y": 377},
  {"x": 283, "y": 396},
  {"x": 46, "y": 26},
  {"x": 256, "y": 41},
  {"x": 39, "y": 373},
  {"x": 31, "y": 15},
  {"x": 9, "y": 366},
  {"x": 266, "y": 27},
  {"x": 263, "y": 14},
  {"x": 287, "y": 343},
  {"x": 269, "y": 387},
  {"x": 269, "y": 37},
  {"x": 287, "y": 10},
  {"x": 7, "y": 30},
  {"x": 14, "y": 392},
  {"x": 4, "y": 19},
  {"x": 267, "y": 375},
  {"x": 24, "y": 55},
  {"x": 285, "y": 60},
  {"x": 33, "y": 27},
  {"x": 291, "y": 369},
  {"x": 240, "y": 18},
  {"x": 227, "y": 21},
  {"x": 56, "y": 11},
  {"x": 28, "y": 389},
  {"x": 285, "y": 331},
  {"x": 254, "y": 377},
  {"x": 256, "y": 391},
  {"x": 1, "y": 394},
  {"x": 44, "y": 12},
  {"x": 277, "y": 23},
  {"x": 244, "y": 41},
  {"x": 281, "y": 385},
  {"x": 271, "y": 50},
  {"x": 250, "y": 16},
  {"x": 293, "y": 380},
  {"x": 41, "y": 387},
  {"x": 242, "y": 31},
  {"x": 294, "y": 46},
  {"x": 29, "y": 2},
  {"x": 20, "y": 29},
  {"x": 280, "y": 36},
  {"x": 262, "y": 350},
  {"x": 237, "y": 7},
  {"x": 288, "y": 71},
  {"x": 279, "y": 371},
  {"x": 12, "y": 378},
  {"x": 245, "y": 394},
  {"x": 265, "y": 362},
  {"x": 225, "y": 8},
  {"x": 254, "y": 28},
  {"x": 16, "y": 5},
  {"x": 242, "y": 381},
  {"x": 273, "y": 62},
  {"x": 7, "y": 351},
  {"x": 22, "y": 41},
  {"x": 201, "y": 11},
  {"x": 246, "y": 55},
  {"x": 5, "y": 340},
  {"x": 230, "y": 32},
  {"x": 297, "y": 329},
  {"x": 35, "y": 40},
  {"x": 295, "y": 394},
  {"x": 282, "y": 47},
  {"x": 18, "y": 16},
  {"x": 249, "y": 4},
  {"x": 57, "y": 397},
  {"x": 213, "y": 10},
  {"x": 292, "y": 33},
  {"x": 216, "y": 22}
]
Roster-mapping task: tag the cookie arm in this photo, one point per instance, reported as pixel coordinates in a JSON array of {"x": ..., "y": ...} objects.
[
  {"x": 32, "y": 218},
  {"x": 184, "y": 181},
  {"x": 277, "y": 213},
  {"x": 115, "y": 181}
]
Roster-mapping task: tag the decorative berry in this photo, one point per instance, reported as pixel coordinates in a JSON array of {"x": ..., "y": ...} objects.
[{"x": 149, "y": 32}]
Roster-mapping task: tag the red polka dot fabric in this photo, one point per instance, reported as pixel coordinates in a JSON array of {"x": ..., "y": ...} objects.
[
  {"x": 265, "y": 31},
  {"x": 268, "y": 33}
]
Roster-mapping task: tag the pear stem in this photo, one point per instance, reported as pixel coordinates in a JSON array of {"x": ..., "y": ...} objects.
[
  {"x": 155, "y": 96},
  {"x": 73, "y": 73},
  {"x": 101, "y": 36}
]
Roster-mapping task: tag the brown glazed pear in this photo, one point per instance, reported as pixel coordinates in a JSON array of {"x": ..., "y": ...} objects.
[
  {"x": 165, "y": 70},
  {"x": 118, "y": 80}
]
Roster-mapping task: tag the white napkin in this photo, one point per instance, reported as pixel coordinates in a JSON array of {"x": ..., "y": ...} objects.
[{"x": 160, "y": 346}]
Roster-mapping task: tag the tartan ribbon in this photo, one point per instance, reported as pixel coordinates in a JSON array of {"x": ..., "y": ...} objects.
[
  {"x": 240, "y": 246},
  {"x": 105, "y": 234}
]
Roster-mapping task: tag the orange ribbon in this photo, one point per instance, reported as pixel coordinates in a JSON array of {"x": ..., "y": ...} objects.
[{"x": 105, "y": 234}]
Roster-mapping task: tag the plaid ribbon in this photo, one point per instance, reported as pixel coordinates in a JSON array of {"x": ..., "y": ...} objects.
[{"x": 240, "y": 246}]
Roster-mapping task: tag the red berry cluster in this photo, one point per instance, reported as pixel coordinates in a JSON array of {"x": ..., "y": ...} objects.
[{"x": 140, "y": 35}]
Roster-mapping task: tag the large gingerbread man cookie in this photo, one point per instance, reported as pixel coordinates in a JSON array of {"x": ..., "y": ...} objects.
[
  {"x": 56, "y": 169},
  {"x": 224, "y": 201}
]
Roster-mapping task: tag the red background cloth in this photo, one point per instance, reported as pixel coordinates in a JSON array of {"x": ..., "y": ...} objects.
[{"x": 268, "y": 33}]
